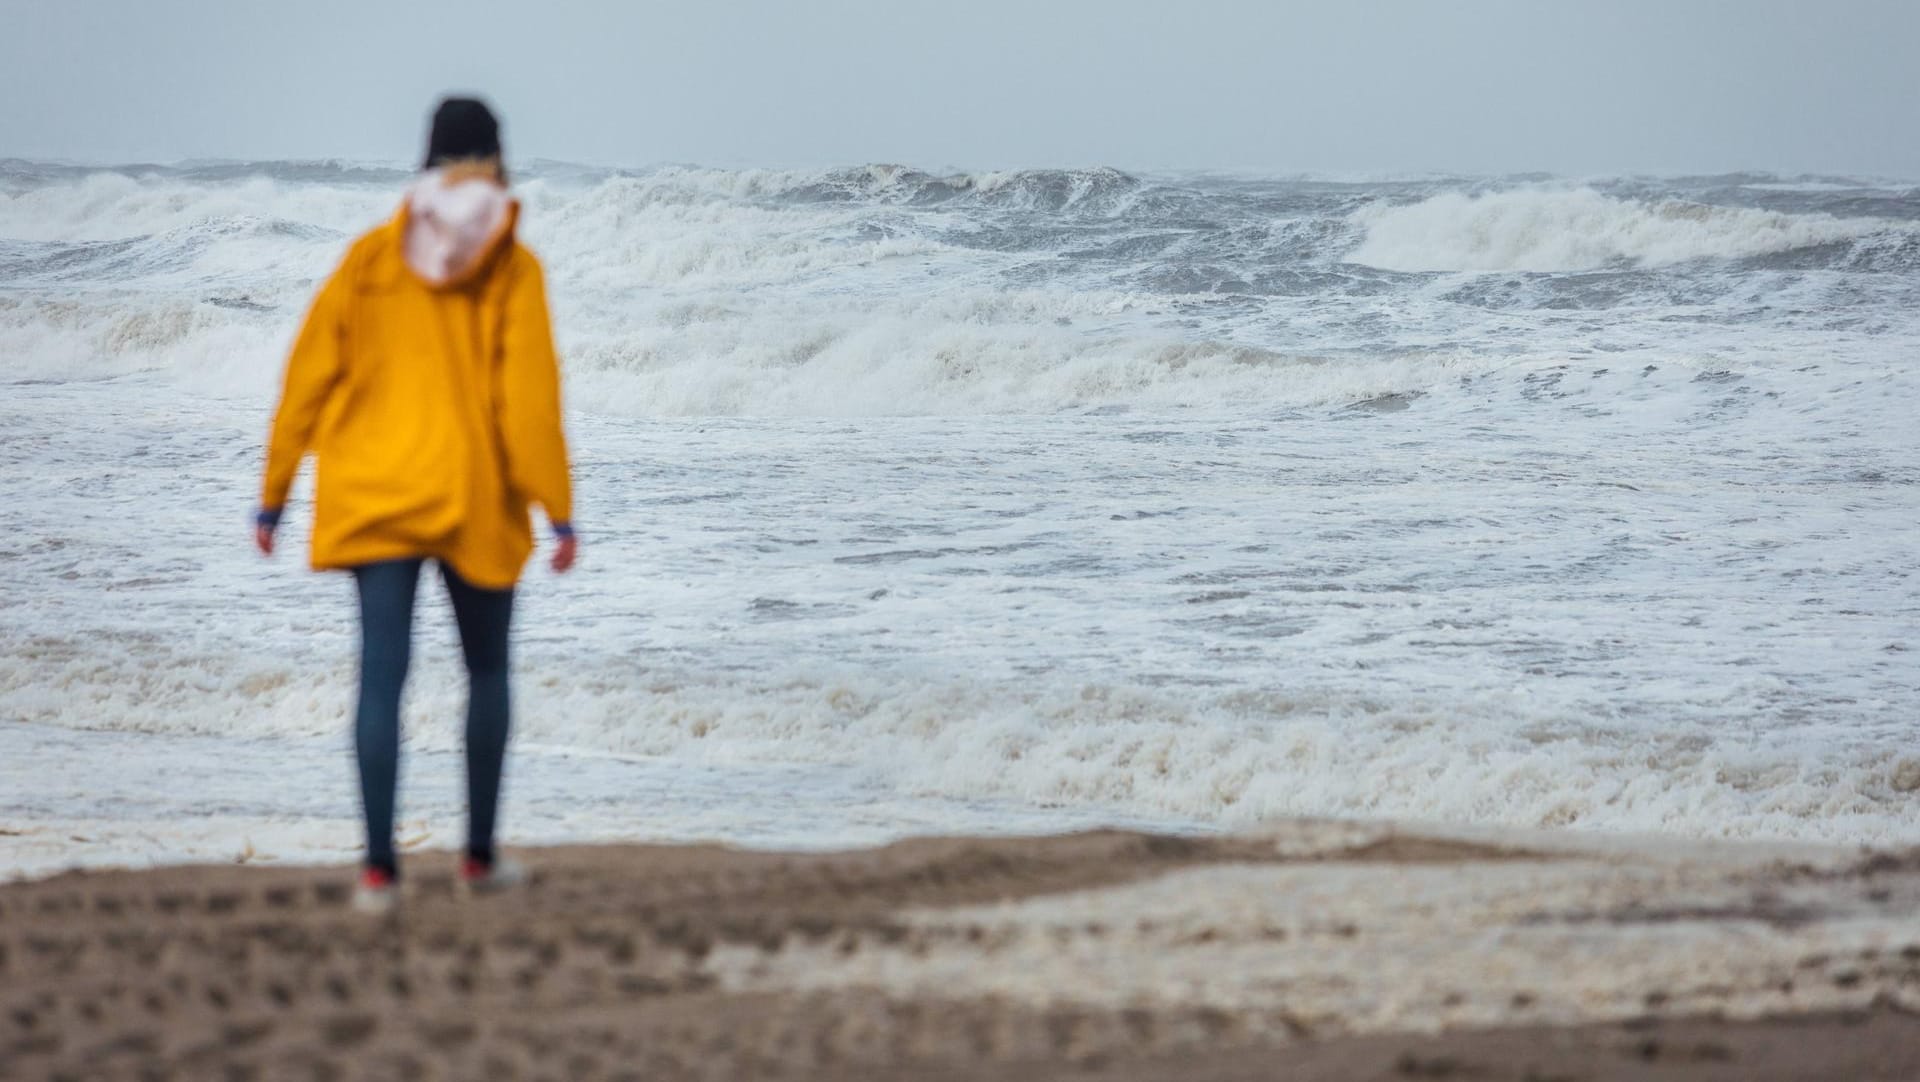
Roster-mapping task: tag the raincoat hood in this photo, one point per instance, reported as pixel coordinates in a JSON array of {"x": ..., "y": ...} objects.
[{"x": 453, "y": 220}]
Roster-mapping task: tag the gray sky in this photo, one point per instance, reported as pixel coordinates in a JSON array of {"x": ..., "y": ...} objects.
[{"x": 1566, "y": 86}]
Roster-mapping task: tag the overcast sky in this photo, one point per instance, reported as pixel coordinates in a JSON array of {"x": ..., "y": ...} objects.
[{"x": 1565, "y": 86}]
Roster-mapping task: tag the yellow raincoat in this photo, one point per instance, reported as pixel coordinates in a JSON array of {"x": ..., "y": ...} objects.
[{"x": 432, "y": 409}]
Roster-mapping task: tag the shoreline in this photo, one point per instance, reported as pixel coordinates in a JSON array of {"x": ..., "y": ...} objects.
[{"x": 1332, "y": 949}]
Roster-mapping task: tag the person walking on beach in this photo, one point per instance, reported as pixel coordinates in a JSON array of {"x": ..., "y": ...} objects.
[{"x": 425, "y": 384}]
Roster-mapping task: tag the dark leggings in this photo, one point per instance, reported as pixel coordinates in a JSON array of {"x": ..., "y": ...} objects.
[{"x": 386, "y": 643}]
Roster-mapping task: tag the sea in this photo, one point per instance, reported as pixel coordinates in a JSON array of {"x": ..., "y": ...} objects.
[{"x": 932, "y": 501}]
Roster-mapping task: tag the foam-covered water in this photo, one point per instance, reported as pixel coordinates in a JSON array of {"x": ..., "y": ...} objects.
[{"x": 1202, "y": 498}]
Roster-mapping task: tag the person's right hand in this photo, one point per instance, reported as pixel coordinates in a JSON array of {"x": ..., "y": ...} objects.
[{"x": 565, "y": 551}]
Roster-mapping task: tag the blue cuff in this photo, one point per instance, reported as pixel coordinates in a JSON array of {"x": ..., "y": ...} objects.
[
  {"x": 269, "y": 517},
  {"x": 563, "y": 530}
]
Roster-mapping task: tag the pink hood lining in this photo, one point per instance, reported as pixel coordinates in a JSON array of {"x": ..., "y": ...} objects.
[{"x": 452, "y": 224}]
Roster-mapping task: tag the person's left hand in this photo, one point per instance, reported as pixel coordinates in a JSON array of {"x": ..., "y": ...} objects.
[
  {"x": 263, "y": 538},
  {"x": 565, "y": 551}
]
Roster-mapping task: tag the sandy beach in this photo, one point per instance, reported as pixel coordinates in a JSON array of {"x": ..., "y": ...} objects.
[{"x": 1315, "y": 950}]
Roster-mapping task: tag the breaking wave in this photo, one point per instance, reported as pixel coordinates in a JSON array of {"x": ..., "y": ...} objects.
[
  {"x": 1582, "y": 229},
  {"x": 1232, "y": 758},
  {"x": 882, "y": 289}
]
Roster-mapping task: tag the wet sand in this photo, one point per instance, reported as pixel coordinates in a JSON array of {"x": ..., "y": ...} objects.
[{"x": 1309, "y": 951}]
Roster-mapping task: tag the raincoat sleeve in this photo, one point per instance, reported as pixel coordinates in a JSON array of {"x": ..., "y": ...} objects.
[
  {"x": 529, "y": 399},
  {"x": 313, "y": 368}
]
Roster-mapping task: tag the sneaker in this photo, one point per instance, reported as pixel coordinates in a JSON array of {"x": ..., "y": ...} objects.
[
  {"x": 484, "y": 877},
  {"x": 377, "y": 892}
]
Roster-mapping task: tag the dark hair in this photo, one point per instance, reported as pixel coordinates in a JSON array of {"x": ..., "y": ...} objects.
[{"x": 462, "y": 128}]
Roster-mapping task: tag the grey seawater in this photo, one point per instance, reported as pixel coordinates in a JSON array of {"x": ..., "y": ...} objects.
[{"x": 1581, "y": 503}]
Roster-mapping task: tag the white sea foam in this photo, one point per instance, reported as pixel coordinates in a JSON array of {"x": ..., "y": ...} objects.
[
  {"x": 111, "y": 206},
  {"x": 1205, "y": 620},
  {"x": 1580, "y": 229},
  {"x": 685, "y": 293},
  {"x": 1052, "y": 488},
  {"x": 688, "y": 292}
]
